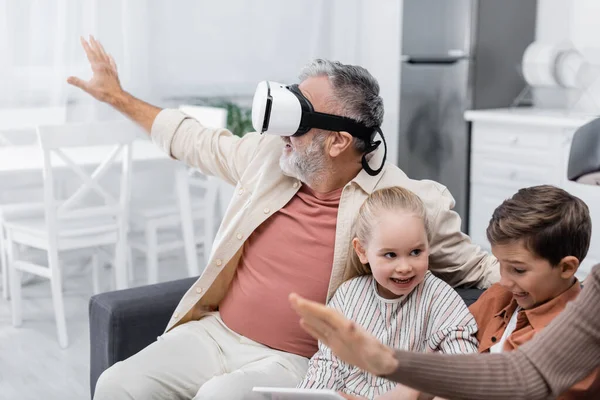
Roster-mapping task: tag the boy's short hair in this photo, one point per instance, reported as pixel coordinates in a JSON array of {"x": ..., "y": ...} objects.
[{"x": 552, "y": 223}]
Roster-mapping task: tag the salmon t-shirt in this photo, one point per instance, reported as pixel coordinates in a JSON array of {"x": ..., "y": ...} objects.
[{"x": 292, "y": 251}]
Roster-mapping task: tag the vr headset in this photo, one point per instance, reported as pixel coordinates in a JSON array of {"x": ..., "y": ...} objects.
[{"x": 283, "y": 110}]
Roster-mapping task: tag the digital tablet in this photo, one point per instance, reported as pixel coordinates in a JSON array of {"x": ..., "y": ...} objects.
[{"x": 276, "y": 393}]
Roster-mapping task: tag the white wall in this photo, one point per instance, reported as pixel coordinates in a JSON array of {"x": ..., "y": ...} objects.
[
  {"x": 368, "y": 33},
  {"x": 575, "y": 22},
  {"x": 553, "y": 20},
  {"x": 207, "y": 48},
  {"x": 380, "y": 53}
]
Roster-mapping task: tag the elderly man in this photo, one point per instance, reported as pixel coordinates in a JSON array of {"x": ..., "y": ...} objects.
[{"x": 286, "y": 230}]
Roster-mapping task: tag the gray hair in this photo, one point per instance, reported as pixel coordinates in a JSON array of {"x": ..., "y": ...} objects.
[{"x": 356, "y": 93}]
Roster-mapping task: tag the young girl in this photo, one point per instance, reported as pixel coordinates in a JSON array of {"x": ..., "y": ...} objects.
[{"x": 394, "y": 297}]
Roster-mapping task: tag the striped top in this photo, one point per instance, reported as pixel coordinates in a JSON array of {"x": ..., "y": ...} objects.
[
  {"x": 431, "y": 318},
  {"x": 562, "y": 354}
]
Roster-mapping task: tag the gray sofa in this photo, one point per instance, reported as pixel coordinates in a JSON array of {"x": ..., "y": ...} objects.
[{"x": 125, "y": 321}]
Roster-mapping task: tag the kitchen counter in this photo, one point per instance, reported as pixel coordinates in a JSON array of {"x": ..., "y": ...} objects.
[
  {"x": 531, "y": 116},
  {"x": 513, "y": 148}
]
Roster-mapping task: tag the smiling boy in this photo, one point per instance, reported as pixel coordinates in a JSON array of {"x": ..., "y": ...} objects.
[{"x": 540, "y": 236}]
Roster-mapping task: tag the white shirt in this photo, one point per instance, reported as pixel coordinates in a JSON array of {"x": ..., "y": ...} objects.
[{"x": 510, "y": 328}]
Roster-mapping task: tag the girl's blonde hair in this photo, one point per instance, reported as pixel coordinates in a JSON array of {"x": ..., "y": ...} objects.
[{"x": 386, "y": 199}]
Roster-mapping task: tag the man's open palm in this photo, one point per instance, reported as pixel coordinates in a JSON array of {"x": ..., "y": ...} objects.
[{"x": 104, "y": 84}]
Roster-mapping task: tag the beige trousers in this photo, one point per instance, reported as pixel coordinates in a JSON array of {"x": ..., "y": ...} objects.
[{"x": 200, "y": 360}]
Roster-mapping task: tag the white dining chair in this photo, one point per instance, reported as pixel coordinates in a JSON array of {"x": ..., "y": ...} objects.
[
  {"x": 181, "y": 221},
  {"x": 158, "y": 229},
  {"x": 18, "y": 128},
  {"x": 75, "y": 222}
]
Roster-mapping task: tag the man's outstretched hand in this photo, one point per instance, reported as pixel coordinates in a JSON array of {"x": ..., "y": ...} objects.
[{"x": 104, "y": 85}]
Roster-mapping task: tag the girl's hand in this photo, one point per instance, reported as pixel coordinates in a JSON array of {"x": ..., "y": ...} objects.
[{"x": 347, "y": 340}]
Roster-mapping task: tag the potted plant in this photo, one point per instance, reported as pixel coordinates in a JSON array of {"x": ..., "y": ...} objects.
[{"x": 239, "y": 118}]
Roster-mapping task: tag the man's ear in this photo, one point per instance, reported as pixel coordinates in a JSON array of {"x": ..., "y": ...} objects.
[
  {"x": 339, "y": 142},
  {"x": 360, "y": 251},
  {"x": 568, "y": 266}
]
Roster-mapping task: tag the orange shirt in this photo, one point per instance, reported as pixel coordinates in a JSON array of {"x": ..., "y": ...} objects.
[
  {"x": 292, "y": 251},
  {"x": 493, "y": 311}
]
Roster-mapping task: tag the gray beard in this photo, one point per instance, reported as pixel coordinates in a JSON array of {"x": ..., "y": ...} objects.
[{"x": 308, "y": 167}]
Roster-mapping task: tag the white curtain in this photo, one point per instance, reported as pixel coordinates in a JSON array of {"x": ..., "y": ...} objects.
[
  {"x": 40, "y": 48},
  {"x": 172, "y": 49}
]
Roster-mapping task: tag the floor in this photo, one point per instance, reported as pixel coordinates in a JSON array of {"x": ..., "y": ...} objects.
[{"x": 32, "y": 365}]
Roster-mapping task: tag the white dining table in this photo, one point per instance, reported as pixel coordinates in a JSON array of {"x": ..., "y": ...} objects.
[{"x": 16, "y": 159}]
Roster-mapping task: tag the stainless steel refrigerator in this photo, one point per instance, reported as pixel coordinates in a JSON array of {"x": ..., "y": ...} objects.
[{"x": 456, "y": 55}]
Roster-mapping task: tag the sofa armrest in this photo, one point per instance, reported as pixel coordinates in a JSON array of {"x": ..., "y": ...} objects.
[
  {"x": 469, "y": 295},
  {"x": 124, "y": 322}
]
